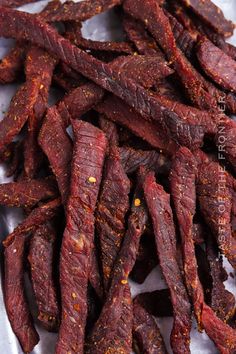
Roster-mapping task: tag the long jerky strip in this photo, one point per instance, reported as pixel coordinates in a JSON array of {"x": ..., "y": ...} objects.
[
  {"x": 183, "y": 177},
  {"x": 27, "y": 193},
  {"x": 158, "y": 202},
  {"x": 41, "y": 260},
  {"x": 146, "y": 333},
  {"x": 15, "y": 299},
  {"x": 111, "y": 211},
  {"x": 12, "y": 64},
  {"x": 77, "y": 244}
]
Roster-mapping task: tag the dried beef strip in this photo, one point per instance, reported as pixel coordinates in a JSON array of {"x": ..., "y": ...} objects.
[
  {"x": 143, "y": 101},
  {"x": 77, "y": 244},
  {"x": 12, "y": 64},
  {"x": 132, "y": 159},
  {"x": 218, "y": 66},
  {"x": 183, "y": 178},
  {"x": 211, "y": 15},
  {"x": 111, "y": 211},
  {"x": 41, "y": 259},
  {"x": 157, "y": 303},
  {"x": 27, "y": 193},
  {"x": 146, "y": 332},
  {"x": 158, "y": 202},
  {"x": 57, "y": 145},
  {"x": 81, "y": 11}
]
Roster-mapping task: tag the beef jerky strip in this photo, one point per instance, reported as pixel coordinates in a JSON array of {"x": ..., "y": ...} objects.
[
  {"x": 15, "y": 3},
  {"x": 81, "y": 11},
  {"x": 218, "y": 66},
  {"x": 113, "y": 330},
  {"x": 183, "y": 177},
  {"x": 57, "y": 145},
  {"x": 41, "y": 259},
  {"x": 146, "y": 333},
  {"x": 143, "y": 101},
  {"x": 111, "y": 211},
  {"x": 27, "y": 193},
  {"x": 12, "y": 64},
  {"x": 157, "y": 303},
  {"x": 77, "y": 243},
  {"x": 158, "y": 202},
  {"x": 212, "y": 15},
  {"x": 15, "y": 300},
  {"x": 154, "y": 18},
  {"x": 222, "y": 301}
]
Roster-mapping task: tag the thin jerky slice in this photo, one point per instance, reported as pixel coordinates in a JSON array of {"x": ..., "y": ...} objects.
[
  {"x": 41, "y": 259},
  {"x": 158, "y": 202},
  {"x": 71, "y": 11},
  {"x": 12, "y": 64},
  {"x": 183, "y": 178},
  {"x": 77, "y": 243},
  {"x": 146, "y": 333},
  {"x": 218, "y": 66},
  {"x": 211, "y": 15},
  {"x": 112, "y": 207},
  {"x": 157, "y": 303},
  {"x": 27, "y": 193},
  {"x": 57, "y": 145}
]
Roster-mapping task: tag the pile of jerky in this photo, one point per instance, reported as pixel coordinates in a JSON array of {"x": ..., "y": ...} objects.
[{"x": 133, "y": 167}]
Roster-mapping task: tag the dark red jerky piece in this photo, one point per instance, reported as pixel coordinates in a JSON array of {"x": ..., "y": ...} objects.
[
  {"x": 145, "y": 70},
  {"x": 113, "y": 330},
  {"x": 15, "y": 299},
  {"x": 109, "y": 129},
  {"x": 12, "y": 64},
  {"x": 77, "y": 243},
  {"x": 157, "y": 303},
  {"x": 210, "y": 196},
  {"x": 27, "y": 193},
  {"x": 71, "y": 11},
  {"x": 132, "y": 159},
  {"x": 146, "y": 333},
  {"x": 57, "y": 145},
  {"x": 119, "y": 112},
  {"x": 211, "y": 15},
  {"x": 15, "y": 3},
  {"x": 143, "y": 101},
  {"x": 204, "y": 272},
  {"x": 222, "y": 301},
  {"x": 111, "y": 211},
  {"x": 41, "y": 259},
  {"x": 217, "y": 65},
  {"x": 158, "y": 202},
  {"x": 183, "y": 177},
  {"x": 79, "y": 101}
]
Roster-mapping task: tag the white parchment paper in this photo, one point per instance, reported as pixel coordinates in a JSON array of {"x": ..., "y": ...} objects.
[{"x": 102, "y": 27}]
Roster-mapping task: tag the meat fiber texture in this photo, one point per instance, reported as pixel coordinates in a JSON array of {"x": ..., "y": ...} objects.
[{"x": 98, "y": 28}]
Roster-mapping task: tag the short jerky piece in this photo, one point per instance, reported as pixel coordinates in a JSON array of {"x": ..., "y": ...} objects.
[
  {"x": 183, "y": 189},
  {"x": 143, "y": 101},
  {"x": 158, "y": 202},
  {"x": 146, "y": 333},
  {"x": 145, "y": 70},
  {"x": 222, "y": 301},
  {"x": 157, "y": 303},
  {"x": 57, "y": 145},
  {"x": 112, "y": 207},
  {"x": 81, "y": 11},
  {"x": 27, "y": 193},
  {"x": 77, "y": 243},
  {"x": 132, "y": 159},
  {"x": 41, "y": 259},
  {"x": 211, "y": 15},
  {"x": 39, "y": 67},
  {"x": 79, "y": 101},
  {"x": 12, "y": 64},
  {"x": 15, "y": 3},
  {"x": 217, "y": 65},
  {"x": 113, "y": 331}
]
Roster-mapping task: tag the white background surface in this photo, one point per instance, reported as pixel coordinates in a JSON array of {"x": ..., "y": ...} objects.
[{"x": 102, "y": 27}]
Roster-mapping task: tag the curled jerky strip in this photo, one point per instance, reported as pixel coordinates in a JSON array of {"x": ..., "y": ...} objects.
[
  {"x": 183, "y": 177},
  {"x": 27, "y": 193},
  {"x": 87, "y": 163},
  {"x": 12, "y": 63},
  {"x": 41, "y": 259}
]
